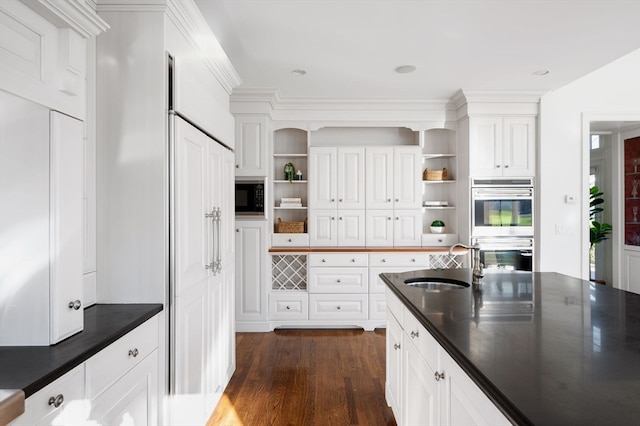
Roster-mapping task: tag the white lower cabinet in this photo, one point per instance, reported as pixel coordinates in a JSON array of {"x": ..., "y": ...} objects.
[
  {"x": 118, "y": 385},
  {"x": 251, "y": 267},
  {"x": 424, "y": 384},
  {"x": 289, "y": 306}
]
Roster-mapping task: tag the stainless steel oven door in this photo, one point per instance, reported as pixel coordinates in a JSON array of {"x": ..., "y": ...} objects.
[
  {"x": 501, "y": 212},
  {"x": 506, "y": 254}
]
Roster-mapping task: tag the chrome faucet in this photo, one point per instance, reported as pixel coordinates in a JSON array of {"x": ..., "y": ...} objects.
[{"x": 477, "y": 272}]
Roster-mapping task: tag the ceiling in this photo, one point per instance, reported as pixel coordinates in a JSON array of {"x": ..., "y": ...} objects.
[{"x": 351, "y": 48}]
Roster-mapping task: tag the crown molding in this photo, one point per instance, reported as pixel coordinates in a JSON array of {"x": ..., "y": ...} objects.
[
  {"x": 192, "y": 25},
  {"x": 79, "y": 15}
]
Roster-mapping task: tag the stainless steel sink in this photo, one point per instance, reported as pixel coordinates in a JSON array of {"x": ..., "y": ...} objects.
[{"x": 435, "y": 284}]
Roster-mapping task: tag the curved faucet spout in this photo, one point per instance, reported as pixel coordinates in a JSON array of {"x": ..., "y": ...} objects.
[{"x": 477, "y": 272}]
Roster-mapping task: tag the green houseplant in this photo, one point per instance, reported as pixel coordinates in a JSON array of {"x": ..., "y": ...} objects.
[
  {"x": 437, "y": 226},
  {"x": 598, "y": 231}
]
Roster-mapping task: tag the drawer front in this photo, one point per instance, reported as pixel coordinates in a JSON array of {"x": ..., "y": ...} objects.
[
  {"x": 439, "y": 240},
  {"x": 107, "y": 366},
  {"x": 338, "y": 280},
  {"x": 288, "y": 306},
  {"x": 338, "y": 306},
  {"x": 338, "y": 259},
  {"x": 290, "y": 240},
  {"x": 69, "y": 389},
  {"x": 415, "y": 260},
  {"x": 394, "y": 306},
  {"x": 421, "y": 338},
  {"x": 377, "y": 307}
]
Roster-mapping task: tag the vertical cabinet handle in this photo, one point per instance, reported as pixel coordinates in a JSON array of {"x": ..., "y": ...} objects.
[
  {"x": 216, "y": 256},
  {"x": 57, "y": 400},
  {"x": 75, "y": 304}
]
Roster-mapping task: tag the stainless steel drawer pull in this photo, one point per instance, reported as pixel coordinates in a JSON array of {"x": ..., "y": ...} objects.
[
  {"x": 133, "y": 352},
  {"x": 338, "y": 280},
  {"x": 396, "y": 346},
  {"x": 57, "y": 400},
  {"x": 338, "y": 307},
  {"x": 353, "y": 260},
  {"x": 288, "y": 307},
  {"x": 438, "y": 376},
  {"x": 414, "y": 334},
  {"x": 75, "y": 304}
]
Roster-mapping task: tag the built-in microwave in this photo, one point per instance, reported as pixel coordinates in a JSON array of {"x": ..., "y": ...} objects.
[{"x": 250, "y": 197}]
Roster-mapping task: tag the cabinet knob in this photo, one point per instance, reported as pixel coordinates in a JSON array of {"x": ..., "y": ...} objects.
[
  {"x": 413, "y": 260},
  {"x": 438, "y": 376},
  {"x": 397, "y": 199},
  {"x": 133, "y": 352},
  {"x": 440, "y": 240},
  {"x": 338, "y": 280},
  {"x": 497, "y": 166},
  {"x": 396, "y": 346},
  {"x": 75, "y": 305},
  {"x": 57, "y": 400},
  {"x": 397, "y": 218},
  {"x": 237, "y": 229},
  {"x": 333, "y": 200},
  {"x": 290, "y": 240},
  {"x": 388, "y": 200},
  {"x": 333, "y": 218},
  {"x": 288, "y": 307},
  {"x": 353, "y": 260},
  {"x": 237, "y": 166},
  {"x": 338, "y": 307},
  {"x": 323, "y": 261},
  {"x": 414, "y": 334},
  {"x": 383, "y": 260},
  {"x": 340, "y": 200},
  {"x": 340, "y": 218},
  {"x": 506, "y": 166}
]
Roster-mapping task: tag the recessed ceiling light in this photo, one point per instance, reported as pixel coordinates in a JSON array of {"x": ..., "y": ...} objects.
[
  {"x": 298, "y": 72},
  {"x": 541, "y": 72},
  {"x": 406, "y": 69}
]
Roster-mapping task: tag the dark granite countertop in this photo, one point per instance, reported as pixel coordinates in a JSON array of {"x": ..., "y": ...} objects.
[
  {"x": 31, "y": 368},
  {"x": 547, "y": 348}
]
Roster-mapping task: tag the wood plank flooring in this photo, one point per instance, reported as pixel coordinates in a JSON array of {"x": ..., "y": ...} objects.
[{"x": 307, "y": 377}]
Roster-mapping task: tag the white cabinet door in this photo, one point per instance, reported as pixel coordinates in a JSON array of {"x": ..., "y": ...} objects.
[
  {"x": 407, "y": 177},
  {"x": 518, "y": 151},
  {"x": 407, "y": 228},
  {"x": 420, "y": 391},
  {"x": 351, "y": 178},
  {"x": 251, "y": 145},
  {"x": 351, "y": 228},
  {"x": 485, "y": 146},
  {"x": 379, "y": 228},
  {"x": 323, "y": 178},
  {"x": 323, "y": 228},
  {"x": 379, "y": 178},
  {"x": 394, "y": 366},
  {"x": 251, "y": 267},
  {"x": 66, "y": 189}
]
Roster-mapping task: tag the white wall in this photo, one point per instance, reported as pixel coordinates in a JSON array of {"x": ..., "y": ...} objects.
[{"x": 609, "y": 93}]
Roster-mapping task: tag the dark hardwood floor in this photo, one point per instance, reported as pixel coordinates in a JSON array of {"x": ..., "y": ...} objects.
[{"x": 307, "y": 377}]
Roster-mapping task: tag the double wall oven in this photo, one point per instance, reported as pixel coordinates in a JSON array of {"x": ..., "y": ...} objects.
[{"x": 502, "y": 222}]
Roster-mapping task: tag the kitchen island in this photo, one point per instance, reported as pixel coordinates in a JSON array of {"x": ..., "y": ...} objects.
[{"x": 545, "y": 348}]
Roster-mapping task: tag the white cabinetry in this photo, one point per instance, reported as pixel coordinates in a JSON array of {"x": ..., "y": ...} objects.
[
  {"x": 336, "y": 196},
  {"x": 393, "y": 196},
  {"x": 118, "y": 385},
  {"x": 432, "y": 388},
  {"x": 252, "y": 144},
  {"x": 502, "y": 146},
  {"x": 41, "y": 168},
  {"x": 251, "y": 271}
]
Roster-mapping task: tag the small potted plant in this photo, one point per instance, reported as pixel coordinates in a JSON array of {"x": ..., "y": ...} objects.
[
  {"x": 289, "y": 170},
  {"x": 437, "y": 226}
]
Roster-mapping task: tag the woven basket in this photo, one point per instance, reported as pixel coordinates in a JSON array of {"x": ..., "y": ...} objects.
[
  {"x": 290, "y": 227},
  {"x": 435, "y": 174}
]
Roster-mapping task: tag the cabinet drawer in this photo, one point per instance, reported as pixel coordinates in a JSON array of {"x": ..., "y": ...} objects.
[
  {"x": 338, "y": 259},
  {"x": 338, "y": 280},
  {"x": 290, "y": 240},
  {"x": 107, "y": 366},
  {"x": 421, "y": 338},
  {"x": 288, "y": 306},
  {"x": 415, "y": 260},
  {"x": 438, "y": 240},
  {"x": 69, "y": 389},
  {"x": 377, "y": 307},
  {"x": 338, "y": 306}
]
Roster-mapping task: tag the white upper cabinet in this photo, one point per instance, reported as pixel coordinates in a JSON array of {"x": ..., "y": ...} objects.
[
  {"x": 336, "y": 178},
  {"x": 502, "y": 146},
  {"x": 252, "y": 143},
  {"x": 393, "y": 177}
]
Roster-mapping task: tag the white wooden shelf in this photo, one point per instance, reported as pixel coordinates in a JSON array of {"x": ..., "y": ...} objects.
[
  {"x": 289, "y": 155},
  {"x": 438, "y": 207},
  {"x": 290, "y": 208},
  {"x": 430, "y": 182},
  {"x": 432, "y": 156},
  {"x": 286, "y": 181}
]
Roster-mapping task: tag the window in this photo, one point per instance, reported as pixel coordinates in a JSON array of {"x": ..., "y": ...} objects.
[{"x": 595, "y": 141}]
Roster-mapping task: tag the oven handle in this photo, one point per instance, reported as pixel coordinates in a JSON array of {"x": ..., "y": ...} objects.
[
  {"x": 502, "y": 193},
  {"x": 505, "y": 244}
]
